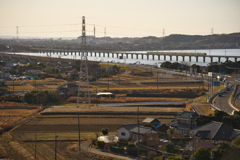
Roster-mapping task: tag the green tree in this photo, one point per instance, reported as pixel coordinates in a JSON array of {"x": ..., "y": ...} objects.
[
  {"x": 171, "y": 148},
  {"x": 236, "y": 141},
  {"x": 174, "y": 158},
  {"x": 218, "y": 151},
  {"x": 170, "y": 131},
  {"x": 105, "y": 131},
  {"x": 202, "y": 154}
]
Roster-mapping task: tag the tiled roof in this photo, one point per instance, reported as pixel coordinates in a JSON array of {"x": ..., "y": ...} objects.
[
  {"x": 69, "y": 86},
  {"x": 142, "y": 130},
  {"x": 216, "y": 131},
  {"x": 188, "y": 115},
  {"x": 129, "y": 126},
  {"x": 149, "y": 120}
]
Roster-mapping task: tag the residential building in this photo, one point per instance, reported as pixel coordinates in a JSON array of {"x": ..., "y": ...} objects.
[
  {"x": 162, "y": 128},
  {"x": 185, "y": 122},
  {"x": 68, "y": 90},
  {"x": 146, "y": 134},
  {"x": 124, "y": 130},
  {"x": 215, "y": 132}
]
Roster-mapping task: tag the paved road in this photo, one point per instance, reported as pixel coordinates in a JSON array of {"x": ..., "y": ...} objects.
[
  {"x": 223, "y": 102},
  {"x": 237, "y": 102},
  {"x": 84, "y": 146}
]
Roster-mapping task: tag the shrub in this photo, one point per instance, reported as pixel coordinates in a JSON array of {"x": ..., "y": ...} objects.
[
  {"x": 116, "y": 149},
  {"x": 236, "y": 141},
  {"x": 100, "y": 144},
  {"x": 201, "y": 93},
  {"x": 122, "y": 142},
  {"x": 1, "y": 130},
  {"x": 94, "y": 142},
  {"x": 6, "y": 126},
  {"x": 26, "y": 115}
]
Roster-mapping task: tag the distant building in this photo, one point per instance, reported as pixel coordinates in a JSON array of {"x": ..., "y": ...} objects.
[
  {"x": 68, "y": 90},
  {"x": 185, "y": 122}
]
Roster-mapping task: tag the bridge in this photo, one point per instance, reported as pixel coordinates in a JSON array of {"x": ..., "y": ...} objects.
[
  {"x": 34, "y": 59},
  {"x": 139, "y": 56}
]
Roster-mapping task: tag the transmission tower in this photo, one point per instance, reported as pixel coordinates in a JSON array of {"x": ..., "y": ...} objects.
[
  {"x": 17, "y": 34},
  {"x": 83, "y": 85},
  {"x": 105, "y": 34}
]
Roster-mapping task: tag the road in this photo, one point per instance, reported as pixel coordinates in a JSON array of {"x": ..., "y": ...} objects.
[
  {"x": 237, "y": 102},
  {"x": 222, "y": 103}
]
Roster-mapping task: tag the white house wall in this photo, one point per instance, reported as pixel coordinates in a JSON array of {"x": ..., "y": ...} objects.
[{"x": 127, "y": 133}]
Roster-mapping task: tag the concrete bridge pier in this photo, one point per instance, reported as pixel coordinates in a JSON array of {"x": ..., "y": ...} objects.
[
  {"x": 104, "y": 54},
  {"x": 235, "y": 59},
  {"x": 170, "y": 58},
  {"x": 117, "y": 55},
  {"x": 211, "y": 59},
  {"x": 147, "y": 57},
  {"x": 142, "y": 56},
  {"x": 108, "y": 55},
  {"x": 183, "y": 58},
  {"x": 159, "y": 57},
  {"x": 131, "y": 56},
  {"x": 190, "y": 58},
  {"x": 164, "y": 57},
  {"x": 176, "y": 58},
  {"x": 196, "y": 58},
  {"x": 204, "y": 59},
  {"x": 219, "y": 59}
]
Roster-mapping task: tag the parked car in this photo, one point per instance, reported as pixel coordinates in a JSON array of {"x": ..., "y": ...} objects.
[
  {"x": 23, "y": 83},
  {"x": 220, "y": 94}
]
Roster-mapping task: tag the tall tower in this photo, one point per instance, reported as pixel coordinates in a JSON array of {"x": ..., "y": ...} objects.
[
  {"x": 212, "y": 30},
  {"x": 83, "y": 95},
  {"x": 17, "y": 34},
  {"x": 105, "y": 34},
  {"x": 94, "y": 32},
  {"x": 163, "y": 32}
]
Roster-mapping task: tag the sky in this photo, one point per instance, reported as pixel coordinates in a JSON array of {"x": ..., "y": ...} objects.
[{"x": 125, "y": 18}]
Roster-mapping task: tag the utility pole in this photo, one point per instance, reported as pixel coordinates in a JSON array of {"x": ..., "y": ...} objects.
[
  {"x": 35, "y": 140},
  {"x": 157, "y": 81},
  {"x": 79, "y": 146},
  {"x": 56, "y": 146},
  {"x": 138, "y": 131},
  {"x": 108, "y": 83},
  {"x": 13, "y": 85}
]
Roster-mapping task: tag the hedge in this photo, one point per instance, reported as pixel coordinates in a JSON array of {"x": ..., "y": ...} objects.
[
  {"x": 100, "y": 144},
  {"x": 116, "y": 149},
  {"x": 184, "y": 139}
]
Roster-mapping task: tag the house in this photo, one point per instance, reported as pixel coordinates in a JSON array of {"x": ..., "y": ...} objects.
[
  {"x": 124, "y": 130},
  {"x": 68, "y": 90},
  {"x": 146, "y": 134},
  {"x": 185, "y": 122},
  {"x": 162, "y": 128},
  {"x": 215, "y": 132}
]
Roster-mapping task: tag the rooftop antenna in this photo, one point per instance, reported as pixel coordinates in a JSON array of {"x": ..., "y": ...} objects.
[{"x": 83, "y": 82}]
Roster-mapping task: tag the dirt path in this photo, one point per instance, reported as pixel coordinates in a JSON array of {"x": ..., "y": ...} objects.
[{"x": 85, "y": 145}]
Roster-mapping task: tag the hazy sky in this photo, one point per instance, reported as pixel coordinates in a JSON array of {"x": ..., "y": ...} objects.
[{"x": 125, "y": 18}]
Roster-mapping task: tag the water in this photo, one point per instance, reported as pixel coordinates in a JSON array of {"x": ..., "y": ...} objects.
[{"x": 223, "y": 52}]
